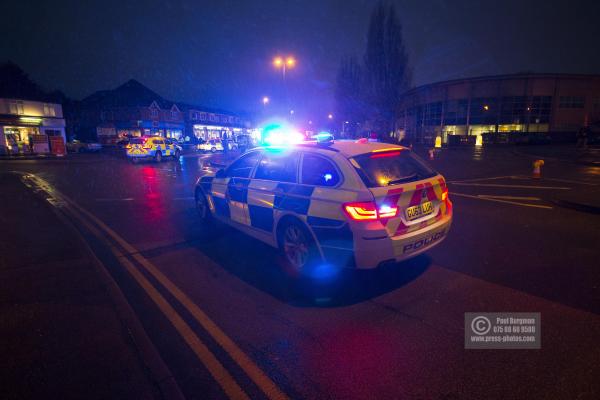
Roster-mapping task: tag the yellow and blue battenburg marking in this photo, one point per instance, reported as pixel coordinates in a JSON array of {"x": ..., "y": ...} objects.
[{"x": 267, "y": 201}]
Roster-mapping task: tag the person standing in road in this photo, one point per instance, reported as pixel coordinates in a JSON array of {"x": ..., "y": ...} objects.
[{"x": 225, "y": 143}]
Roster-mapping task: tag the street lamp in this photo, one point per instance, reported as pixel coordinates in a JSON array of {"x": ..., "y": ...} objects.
[
  {"x": 265, "y": 100},
  {"x": 284, "y": 63},
  {"x": 330, "y": 116}
]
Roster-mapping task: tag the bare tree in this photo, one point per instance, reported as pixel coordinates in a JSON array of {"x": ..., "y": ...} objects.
[
  {"x": 348, "y": 93},
  {"x": 387, "y": 73}
]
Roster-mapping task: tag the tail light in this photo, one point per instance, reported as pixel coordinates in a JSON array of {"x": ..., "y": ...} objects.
[{"x": 368, "y": 211}]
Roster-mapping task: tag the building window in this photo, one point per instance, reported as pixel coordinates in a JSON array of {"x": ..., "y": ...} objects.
[
  {"x": 213, "y": 117},
  {"x": 203, "y": 116},
  {"x": 17, "y": 107},
  {"x": 571, "y": 102},
  {"x": 194, "y": 115},
  {"x": 174, "y": 114},
  {"x": 49, "y": 110},
  {"x": 154, "y": 112}
]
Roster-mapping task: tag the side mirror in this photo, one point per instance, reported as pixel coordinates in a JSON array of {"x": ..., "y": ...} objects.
[{"x": 221, "y": 174}]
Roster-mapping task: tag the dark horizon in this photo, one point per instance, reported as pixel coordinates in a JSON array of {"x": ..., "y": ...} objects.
[{"x": 219, "y": 55}]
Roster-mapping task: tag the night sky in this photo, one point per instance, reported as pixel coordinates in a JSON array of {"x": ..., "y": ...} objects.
[{"x": 218, "y": 53}]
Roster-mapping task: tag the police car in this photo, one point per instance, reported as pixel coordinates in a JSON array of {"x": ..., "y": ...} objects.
[
  {"x": 151, "y": 147},
  {"x": 212, "y": 145},
  {"x": 355, "y": 204}
]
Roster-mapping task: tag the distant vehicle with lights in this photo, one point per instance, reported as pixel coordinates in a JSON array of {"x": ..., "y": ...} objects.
[
  {"x": 151, "y": 148},
  {"x": 354, "y": 204},
  {"x": 79, "y": 146},
  {"x": 212, "y": 145}
]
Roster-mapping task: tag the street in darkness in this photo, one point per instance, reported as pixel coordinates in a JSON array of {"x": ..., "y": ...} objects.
[
  {"x": 395, "y": 332},
  {"x": 305, "y": 200}
]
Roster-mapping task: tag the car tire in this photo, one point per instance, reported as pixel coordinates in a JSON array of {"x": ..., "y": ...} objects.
[
  {"x": 298, "y": 248},
  {"x": 158, "y": 156},
  {"x": 202, "y": 207},
  {"x": 213, "y": 149}
]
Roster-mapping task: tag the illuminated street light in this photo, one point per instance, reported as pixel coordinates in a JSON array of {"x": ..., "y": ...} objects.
[
  {"x": 330, "y": 116},
  {"x": 265, "y": 100},
  {"x": 486, "y": 107},
  {"x": 284, "y": 64},
  {"x": 292, "y": 112}
]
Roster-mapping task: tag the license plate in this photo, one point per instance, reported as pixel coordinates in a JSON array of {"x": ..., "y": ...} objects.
[{"x": 419, "y": 211}]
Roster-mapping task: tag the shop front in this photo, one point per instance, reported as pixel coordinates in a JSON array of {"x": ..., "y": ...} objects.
[{"x": 30, "y": 135}]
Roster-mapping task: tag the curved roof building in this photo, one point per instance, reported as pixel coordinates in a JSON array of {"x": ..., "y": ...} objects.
[{"x": 559, "y": 104}]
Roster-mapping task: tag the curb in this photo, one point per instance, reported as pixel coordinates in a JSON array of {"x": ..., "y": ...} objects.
[{"x": 582, "y": 207}]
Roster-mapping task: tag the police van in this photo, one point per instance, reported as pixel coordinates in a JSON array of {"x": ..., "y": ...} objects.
[
  {"x": 355, "y": 204},
  {"x": 151, "y": 147}
]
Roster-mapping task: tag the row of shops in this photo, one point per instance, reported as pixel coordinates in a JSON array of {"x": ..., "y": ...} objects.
[{"x": 199, "y": 132}]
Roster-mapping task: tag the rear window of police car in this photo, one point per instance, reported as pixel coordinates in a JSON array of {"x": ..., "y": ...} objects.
[{"x": 391, "y": 168}]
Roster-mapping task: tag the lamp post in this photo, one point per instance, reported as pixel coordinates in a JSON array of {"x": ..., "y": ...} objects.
[{"x": 284, "y": 63}]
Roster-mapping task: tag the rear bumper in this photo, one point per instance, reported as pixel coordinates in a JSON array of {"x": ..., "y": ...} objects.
[
  {"x": 370, "y": 253},
  {"x": 142, "y": 155}
]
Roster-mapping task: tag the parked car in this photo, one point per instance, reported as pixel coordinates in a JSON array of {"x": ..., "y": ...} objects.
[
  {"x": 152, "y": 147},
  {"x": 78, "y": 146},
  {"x": 212, "y": 145}
]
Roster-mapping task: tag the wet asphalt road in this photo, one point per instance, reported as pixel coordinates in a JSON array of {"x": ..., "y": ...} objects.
[{"x": 394, "y": 333}]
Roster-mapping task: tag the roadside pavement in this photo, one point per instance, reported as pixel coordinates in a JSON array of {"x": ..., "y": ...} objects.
[{"x": 63, "y": 333}]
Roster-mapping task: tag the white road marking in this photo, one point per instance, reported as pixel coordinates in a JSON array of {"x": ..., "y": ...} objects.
[
  {"x": 512, "y": 186},
  {"x": 561, "y": 180},
  {"x": 510, "y": 197},
  {"x": 125, "y": 199},
  {"x": 480, "y": 179},
  {"x": 500, "y": 201}
]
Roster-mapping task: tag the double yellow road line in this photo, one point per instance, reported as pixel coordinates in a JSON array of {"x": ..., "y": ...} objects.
[{"x": 125, "y": 254}]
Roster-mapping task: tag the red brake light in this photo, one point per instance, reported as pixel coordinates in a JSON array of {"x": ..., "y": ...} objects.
[
  {"x": 361, "y": 211},
  {"x": 386, "y": 154},
  {"x": 368, "y": 211}
]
